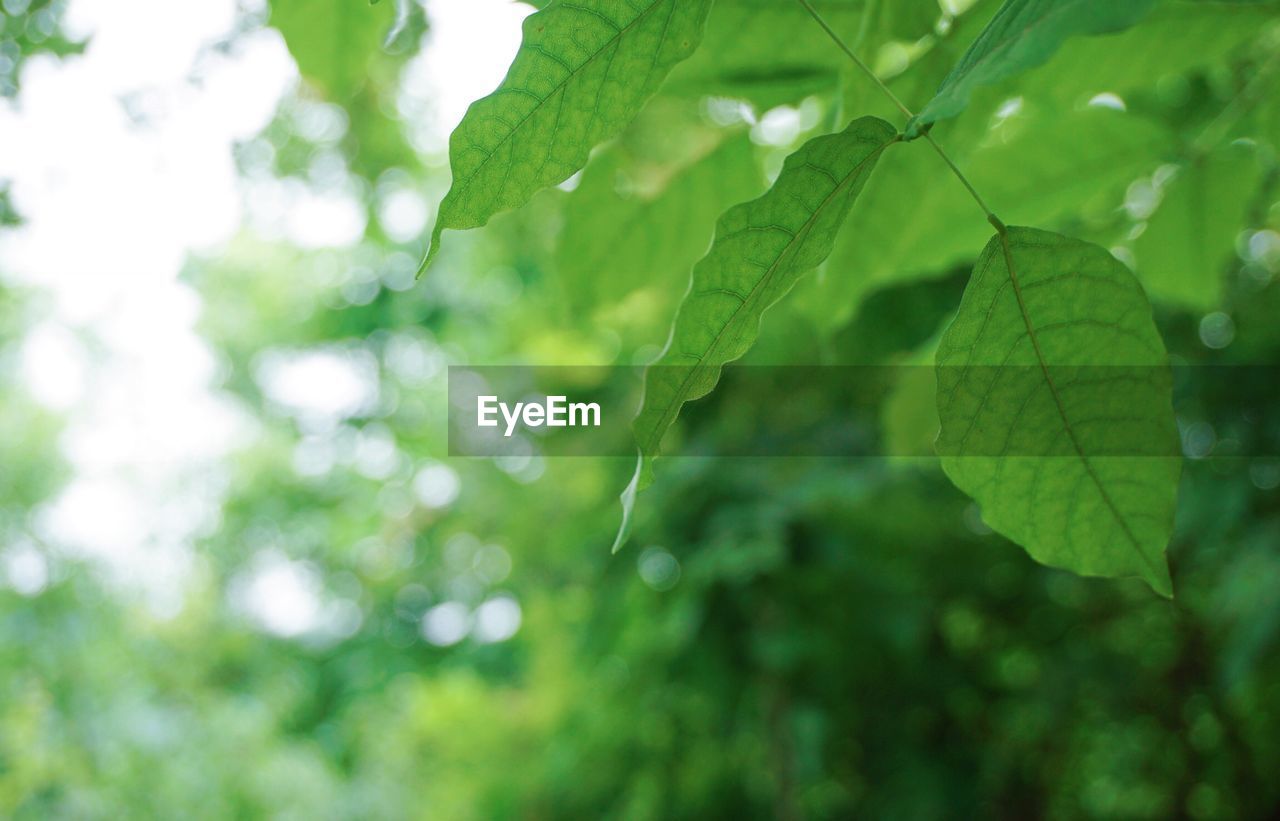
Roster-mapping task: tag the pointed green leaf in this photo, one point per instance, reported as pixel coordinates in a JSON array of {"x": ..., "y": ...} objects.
[
  {"x": 760, "y": 249},
  {"x": 1023, "y": 34},
  {"x": 1055, "y": 401},
  {"x": 583, "y": 71},
  {"x": 1192, "y": 233}
]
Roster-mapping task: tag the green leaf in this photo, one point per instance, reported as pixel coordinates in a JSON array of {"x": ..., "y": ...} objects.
[
  {"x": 641, "y": 222},
  {"x": 341, "y": 50},
  {"x": 760, "y": 249},
  {"x": 583, "y": 71},
  {"x": 333, "y": 41},
  {"x": 1192, "y": 234},
  {"x": 1177, "y": 38},
  {"x": 1055, "y": 401},
  {"x": 1023, "y": 34}
]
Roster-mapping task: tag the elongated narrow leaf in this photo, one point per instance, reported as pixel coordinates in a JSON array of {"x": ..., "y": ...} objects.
[
  {"x": 1054, "y": 397},
  {"x": 760, "y": 249},
  {"x": 1023, "y": 34},
  {"x": 1192, "y": 233},
  {"x": 583, "y": 71}
]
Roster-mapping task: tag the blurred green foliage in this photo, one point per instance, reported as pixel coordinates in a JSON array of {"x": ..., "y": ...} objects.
[
  {"x": 29, "y": 27},
  {"x": 788, "y": 638}
]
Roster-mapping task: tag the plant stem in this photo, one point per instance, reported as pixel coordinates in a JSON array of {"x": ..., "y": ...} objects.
[{"x": 991, "y": 217}]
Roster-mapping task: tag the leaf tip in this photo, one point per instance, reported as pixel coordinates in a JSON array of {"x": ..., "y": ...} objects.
[
  {"x": 628, "y": 499},
  {"x": 432, "y": 249},
  {"x": 1160, "y": 582}
]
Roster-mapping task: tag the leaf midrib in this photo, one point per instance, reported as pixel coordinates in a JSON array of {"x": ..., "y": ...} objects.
[
  {"x": 559, "y": 87},
  {"x": 672, "y": 408},
  {"x": 1062, "y": 411}
]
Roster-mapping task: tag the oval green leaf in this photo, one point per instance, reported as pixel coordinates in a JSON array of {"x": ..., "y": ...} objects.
[{"x": 1055, "y": 401}]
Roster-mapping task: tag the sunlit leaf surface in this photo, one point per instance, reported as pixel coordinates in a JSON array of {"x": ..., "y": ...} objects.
[{"x": 583, "y": 71}]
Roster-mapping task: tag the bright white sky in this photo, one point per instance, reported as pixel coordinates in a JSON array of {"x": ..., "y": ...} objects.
[{"x": 113, "y": 208}]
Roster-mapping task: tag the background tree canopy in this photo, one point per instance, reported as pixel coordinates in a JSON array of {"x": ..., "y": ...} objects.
[{"x": 240, "y": 575}]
